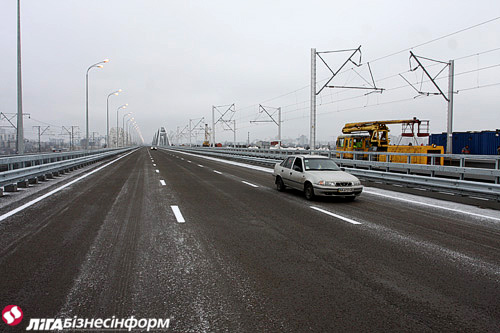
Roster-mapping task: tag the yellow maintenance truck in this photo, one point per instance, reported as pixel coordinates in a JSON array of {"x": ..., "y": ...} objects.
[{"x": 373, "y": 136}]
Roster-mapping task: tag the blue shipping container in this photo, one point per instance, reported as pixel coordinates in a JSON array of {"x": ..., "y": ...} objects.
[{"x": 480, "y": 143}]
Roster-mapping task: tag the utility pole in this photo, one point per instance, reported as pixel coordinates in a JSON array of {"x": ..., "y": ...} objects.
[
  {"x": 271, "y": 115},
  {"x": 71, "y": 133},
  {"x": 312, "y": 128},
  {"x": 213, "y": 126},
  {"x": 234, "y": 131},
  {"x": 40, "y": 133},
  {"x": 449, "y": 98},
  {"x": 229, "y": 108},
  {"x": 196, "y": 127},
  {"x": 20, "y": 128},
  {"x": 357, "y": 63},
  {"x": 449, "y": 127}
]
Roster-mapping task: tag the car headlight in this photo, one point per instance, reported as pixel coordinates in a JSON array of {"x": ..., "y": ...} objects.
[
  {"x": 356, "y": 182},
  {"x": 326, "y": 183}
]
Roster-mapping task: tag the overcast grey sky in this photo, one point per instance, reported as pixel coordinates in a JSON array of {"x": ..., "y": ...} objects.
[{"x": 175, "y": 59}]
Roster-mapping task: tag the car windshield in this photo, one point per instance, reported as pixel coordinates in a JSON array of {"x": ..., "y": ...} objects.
[{"x": 322, "y": 164}]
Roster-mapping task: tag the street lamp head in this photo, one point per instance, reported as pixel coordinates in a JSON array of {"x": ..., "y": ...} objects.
[
  {"x": 105, "y": 60},
  {"x": 119, "y": 90},
  {"x": 99, "y": 66},
  {"x": 115, "y": 94}
]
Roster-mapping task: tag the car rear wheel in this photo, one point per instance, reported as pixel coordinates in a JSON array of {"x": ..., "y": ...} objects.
[
  {"x": 280, "y": 186},
  {"x": 309, "y": 191}
]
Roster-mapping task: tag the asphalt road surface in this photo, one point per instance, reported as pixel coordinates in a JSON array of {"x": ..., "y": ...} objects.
[{"x": 214, "y": 247}]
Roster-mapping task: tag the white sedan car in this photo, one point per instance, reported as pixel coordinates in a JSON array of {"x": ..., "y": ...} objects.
[{"x": 316, "y": 175}]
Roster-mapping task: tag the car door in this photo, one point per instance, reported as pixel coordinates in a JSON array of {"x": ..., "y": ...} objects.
[
  {"x": 284, "y": 170},
  {"x": 297, "y": 176}
]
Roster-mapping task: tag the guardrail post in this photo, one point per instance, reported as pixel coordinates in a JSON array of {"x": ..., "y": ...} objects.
[
  {"x": 462, "y": 164},
  {"x": 497, "y": 166}
]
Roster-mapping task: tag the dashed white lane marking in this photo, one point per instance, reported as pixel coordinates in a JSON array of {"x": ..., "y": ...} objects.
[
  {"x": 366, "y": 190},
  {"x": 178, "y": 214},
  {"x": 335, "y": 215},
  {"x": 201, "y": 166},
  {"x": 162, "y": 182},
  {"x": 32, "y": 202},
  {"x": 189, "y": 161},
  {"x": 220, "y": 173},
  {"x": 182, "y": 159},
  {"x": 253, "y": 185},
  {"x": 154, "y": 164},
  {"x": 157, "y": 171}
]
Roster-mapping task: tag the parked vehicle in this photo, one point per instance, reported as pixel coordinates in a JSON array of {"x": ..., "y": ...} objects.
[
  {"x": 374, "y": 136},
  {"x": 316, "y": 176}
]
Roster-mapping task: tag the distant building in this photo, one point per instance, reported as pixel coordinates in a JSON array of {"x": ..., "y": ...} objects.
[
  {"x": 7, "y": 140},
  {"x": 302, "y": 140}
]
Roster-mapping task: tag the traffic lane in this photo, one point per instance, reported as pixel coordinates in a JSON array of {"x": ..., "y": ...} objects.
[
  {"x": 206, "y": 292},
  {"x": 43, "y": 245},
  {"x": 451, "y": 230},
  {"x": 421, "y": 285}
]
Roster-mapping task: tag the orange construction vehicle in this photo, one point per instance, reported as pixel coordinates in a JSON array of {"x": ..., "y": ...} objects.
[{"x": 374, "y": 136}]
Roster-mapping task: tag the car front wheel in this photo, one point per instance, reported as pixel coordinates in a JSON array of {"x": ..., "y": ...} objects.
[{"x": 309, "y": 191}]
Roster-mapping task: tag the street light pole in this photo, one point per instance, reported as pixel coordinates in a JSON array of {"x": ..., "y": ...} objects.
[
  {"x": 96, "y": 65},
  {"x": 20, "y": 128},
  {"x": 107, "y": 115},
  {"x": 124, "y": 106}
]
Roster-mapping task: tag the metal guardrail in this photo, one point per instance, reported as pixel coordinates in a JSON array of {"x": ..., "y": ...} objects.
[
  {"x": 28, "y": 160},
  {"x": 459, "y": 172},
  {"x": 23, "y": 174},
  {"x": 431, "y": 182}
]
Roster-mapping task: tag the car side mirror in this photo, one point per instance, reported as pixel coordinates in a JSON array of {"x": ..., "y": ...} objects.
[{"x": 297, "y": 168}]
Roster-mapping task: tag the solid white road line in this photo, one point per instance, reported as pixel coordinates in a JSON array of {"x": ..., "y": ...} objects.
[
  {"x": 178, "y": 214},
  {"x": 433, "y": 206},
  {"x": 335, "y": 215},
  {"x": 157, "y": 171},
  {"x": 162, "y": 182},
  {"x": 220, "y": 173},
  {"x": 46, "y": 195},
  {"x": 253, "y": 185}
]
